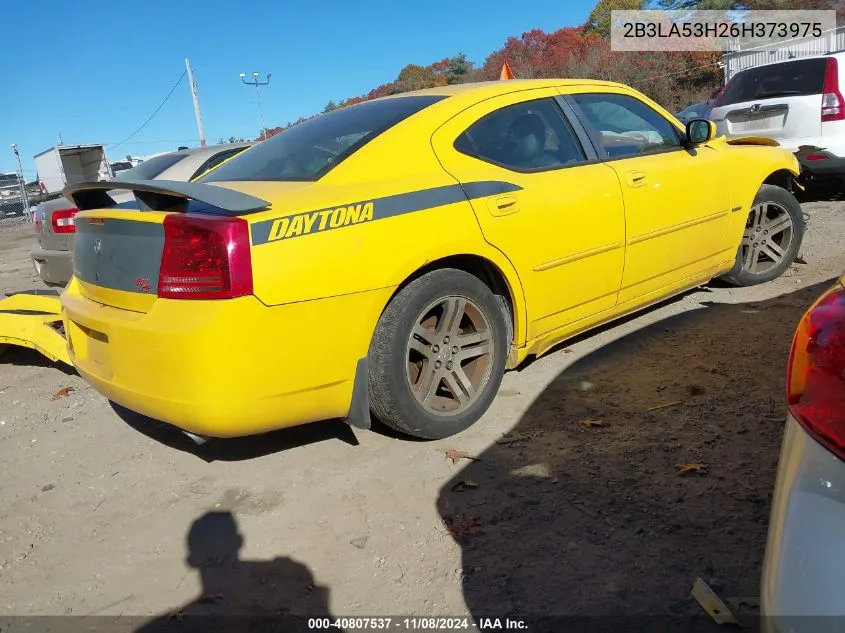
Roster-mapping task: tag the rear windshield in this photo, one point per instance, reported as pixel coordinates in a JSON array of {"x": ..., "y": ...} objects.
[
  {"x": 790, "y": 79},
  {"x": 149, "y": 169},
  {"x": 308, "y": 150}
]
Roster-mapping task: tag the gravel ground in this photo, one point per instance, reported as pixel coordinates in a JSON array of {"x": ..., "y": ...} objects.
[{"x": 573, "y": 505}]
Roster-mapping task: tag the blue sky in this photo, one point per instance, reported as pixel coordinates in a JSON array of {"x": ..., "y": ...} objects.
[{"x": 93, "y": 71}]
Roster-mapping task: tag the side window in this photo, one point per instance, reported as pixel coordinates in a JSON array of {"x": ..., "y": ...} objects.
[
  {"x": 626, "y": 126},
  {"x": 216, "y": 160},
  {"x": 529, "y": 136}
]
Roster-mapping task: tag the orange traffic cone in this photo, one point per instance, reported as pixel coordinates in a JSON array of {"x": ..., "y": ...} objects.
[{"x": 506, "y": 73}]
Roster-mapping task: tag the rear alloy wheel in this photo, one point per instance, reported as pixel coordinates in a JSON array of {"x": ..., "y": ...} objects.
[
  {"x": 773, "y": 234},
  {"x": 438, "y": 355}
]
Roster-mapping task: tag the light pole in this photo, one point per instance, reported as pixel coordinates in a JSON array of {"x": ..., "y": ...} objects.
[
  {"x": 255, "y": 82},
  {"x": 21, "y": 183}
]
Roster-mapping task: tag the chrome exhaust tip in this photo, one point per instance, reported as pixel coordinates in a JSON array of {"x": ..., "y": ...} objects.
[{"x": 199, "y": 440}]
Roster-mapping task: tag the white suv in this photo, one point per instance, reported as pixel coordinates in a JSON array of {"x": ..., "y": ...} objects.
[{"x": 799, "y": 104}]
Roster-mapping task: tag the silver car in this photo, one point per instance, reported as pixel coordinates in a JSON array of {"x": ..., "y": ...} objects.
[
  {"x": 53, "y": 256},
  {"x": 803, "y": 585}
]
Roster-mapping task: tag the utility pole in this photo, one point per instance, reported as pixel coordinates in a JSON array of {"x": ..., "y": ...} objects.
[
  {"x": 257, "y": 83},
  {"x": 22, "y": 184},
  {"x": 196, "y": 99}
]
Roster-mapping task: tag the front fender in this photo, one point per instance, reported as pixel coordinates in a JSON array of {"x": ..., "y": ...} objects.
[{"x": 753, "y": 165}]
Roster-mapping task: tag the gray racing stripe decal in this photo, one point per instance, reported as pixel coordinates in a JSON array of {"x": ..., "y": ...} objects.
[{"x": 308, "y": 222}]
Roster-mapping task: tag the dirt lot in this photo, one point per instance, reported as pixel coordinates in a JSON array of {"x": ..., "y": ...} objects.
[{"x": 555, "y": 517}]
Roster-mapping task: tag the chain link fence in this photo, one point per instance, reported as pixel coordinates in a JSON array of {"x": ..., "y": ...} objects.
[{"x": 19, "y": 198}]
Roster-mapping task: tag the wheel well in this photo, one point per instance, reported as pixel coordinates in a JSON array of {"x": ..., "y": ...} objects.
[
  {"x": 782, "y": 178},
  {"x": 477, "y": 266}
]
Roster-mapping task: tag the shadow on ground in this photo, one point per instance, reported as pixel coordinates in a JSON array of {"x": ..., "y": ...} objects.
[
  {"x": 239, "y": 448},
  {"x": 583, "y": 510},
  {"x": 241, "y": 595},
  {"x": 26, "y": 357}
]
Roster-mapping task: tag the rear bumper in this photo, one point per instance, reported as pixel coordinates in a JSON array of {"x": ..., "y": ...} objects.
[
  {"x": 831, "y": 165},
  {"x": 54, "y": 267},
  {"x": 803, "y": 571},
  {"x": 224, "y": 368}
]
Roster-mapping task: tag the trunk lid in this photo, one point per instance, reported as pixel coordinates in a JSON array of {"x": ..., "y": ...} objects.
[{"x": 118, "y": 246}]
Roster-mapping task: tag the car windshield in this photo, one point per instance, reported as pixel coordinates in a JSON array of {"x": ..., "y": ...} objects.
[
  {"x": 151, "y": 168},
  {"x": 308, "y": 150},
  {"x": 789, "y": 79}
]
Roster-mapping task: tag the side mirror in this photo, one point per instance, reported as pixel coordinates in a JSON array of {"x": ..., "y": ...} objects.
[{"x": 700, "y": 131}]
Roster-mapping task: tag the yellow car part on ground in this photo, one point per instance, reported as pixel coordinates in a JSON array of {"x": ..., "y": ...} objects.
[{"x": 33, "y": 319}]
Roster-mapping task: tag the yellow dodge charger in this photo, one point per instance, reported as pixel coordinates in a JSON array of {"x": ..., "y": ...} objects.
[{"x": 397, "y": 256}]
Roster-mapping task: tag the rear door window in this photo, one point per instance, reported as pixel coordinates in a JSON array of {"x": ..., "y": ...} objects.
[
  {"x": 529, "y": 136},
  {"x": 309, "y": 150},
  {"x": 791, "y": 79}
]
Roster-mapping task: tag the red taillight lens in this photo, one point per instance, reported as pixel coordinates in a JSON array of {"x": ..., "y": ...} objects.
[
  {"x": 833, "y": 105},
  {"x": 816, "y": 374},
  {"x": 62, "y": 220},
  {"x": 816, "y": 157},
  {"x": 205, "y": 257}
]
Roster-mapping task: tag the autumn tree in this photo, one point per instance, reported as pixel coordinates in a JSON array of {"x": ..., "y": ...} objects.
[
  {"x": 414, "y": 77},
  {"x": 600, "y": 17}
]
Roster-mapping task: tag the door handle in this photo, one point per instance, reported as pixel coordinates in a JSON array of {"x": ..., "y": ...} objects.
[
  {"x": 636, "y": 178},
  {"x": 503, "y": 206}
]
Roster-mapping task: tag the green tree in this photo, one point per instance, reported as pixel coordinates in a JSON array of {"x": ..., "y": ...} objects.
[
  {"x": 331, "y": 105},
  {"x": 458, "y": 67},
  {"x": 600, "y": 17}
]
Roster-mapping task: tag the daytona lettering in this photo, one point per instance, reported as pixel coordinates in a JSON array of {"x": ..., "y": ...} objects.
[{"x": 316, "y": 221}]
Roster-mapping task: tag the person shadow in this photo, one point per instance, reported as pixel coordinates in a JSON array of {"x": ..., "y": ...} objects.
[
  {"x": 644, "y": 465},
  {"x": 241, "y": 595}
]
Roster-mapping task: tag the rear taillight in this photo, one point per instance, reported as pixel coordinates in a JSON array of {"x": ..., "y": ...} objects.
[
  {"x": 816, "y": 157},
  {"x": 62, "y": 220},
  {"x": 205, "y": 258},
  {"x": 816, "y": 374},
  {"x": 833, "y": 105}
]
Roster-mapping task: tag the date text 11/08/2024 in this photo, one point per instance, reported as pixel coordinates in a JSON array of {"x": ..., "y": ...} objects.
[{"x": 417, "y": 624}]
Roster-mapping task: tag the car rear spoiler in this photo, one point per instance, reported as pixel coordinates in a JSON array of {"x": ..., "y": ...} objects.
[{"x": 164, "y": 195}]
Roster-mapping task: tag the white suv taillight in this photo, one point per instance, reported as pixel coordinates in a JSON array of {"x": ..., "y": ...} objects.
[
  {"x": 815, "y": 381},
  {"x": 833, "y": 105},
  {"x": 205, "y": 257}
]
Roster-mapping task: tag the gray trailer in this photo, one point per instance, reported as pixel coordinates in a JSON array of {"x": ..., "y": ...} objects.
[{"x": 64, "y": 165}]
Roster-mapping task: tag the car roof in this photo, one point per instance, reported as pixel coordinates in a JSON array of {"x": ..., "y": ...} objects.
[
  {"x": 194, "y": 158},
  {"x": 838, "y": 55},
  {"x": 485, "y": 89}
]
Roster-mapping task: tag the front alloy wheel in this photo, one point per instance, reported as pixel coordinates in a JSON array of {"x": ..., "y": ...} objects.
[{"x": 773, "y": 233}]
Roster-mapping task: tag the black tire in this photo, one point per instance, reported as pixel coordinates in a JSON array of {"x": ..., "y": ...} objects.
[
  {"x": 390, "y": 392},
  {"x": 740, "y": 274}
]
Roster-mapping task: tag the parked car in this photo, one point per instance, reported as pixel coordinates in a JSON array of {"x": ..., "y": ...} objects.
[
  {"x": 699, "y": 110},
  {"x": 803, "y": 573},
  {"x": 398, "y": 255},
  {"x": 799, "y": 104},
  {"x": 54, "y": 220}
]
